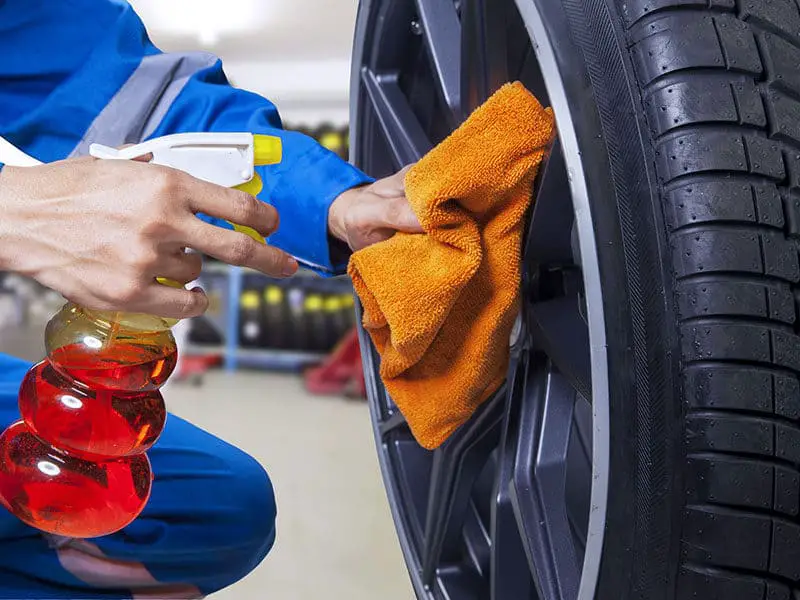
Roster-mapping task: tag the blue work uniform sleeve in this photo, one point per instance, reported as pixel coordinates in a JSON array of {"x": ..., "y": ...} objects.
[
  {"x": 101, "y": 80},
  {"x": 301, "y": 188}
]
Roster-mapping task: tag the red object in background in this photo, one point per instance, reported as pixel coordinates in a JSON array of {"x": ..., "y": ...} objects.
[
  {"x": 341, "y": 372},
  {"x": 193, "y": 367}
]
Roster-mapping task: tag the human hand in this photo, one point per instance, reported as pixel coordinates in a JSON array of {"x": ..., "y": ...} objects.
[
  {"x": 101, "y": 232},
  {"x": 373, "y": 213}
]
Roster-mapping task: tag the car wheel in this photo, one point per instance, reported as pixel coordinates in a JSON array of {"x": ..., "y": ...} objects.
[{"x": 646, "y": 444}]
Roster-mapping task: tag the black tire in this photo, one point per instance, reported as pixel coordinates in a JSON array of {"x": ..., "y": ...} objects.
[
  {"x": 721, "y": 96},
  {"x": 689, "y": 112}
]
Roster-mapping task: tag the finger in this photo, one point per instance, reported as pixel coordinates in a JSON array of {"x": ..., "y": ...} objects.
[
  {"x": 181, "y": 267},
  {"x": 401, "y": 217},
  {"x": 241, "y": 250},
  {"x": 163, "y": 301},
  {"x": 399, "y": 178},
  {"x": 394, "y": 185},
  {"x": 404, "y": 171},
  {"x": 233, "y": 206}
]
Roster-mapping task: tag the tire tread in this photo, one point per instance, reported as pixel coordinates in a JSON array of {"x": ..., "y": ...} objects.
[{"x": 721, "y": 93}]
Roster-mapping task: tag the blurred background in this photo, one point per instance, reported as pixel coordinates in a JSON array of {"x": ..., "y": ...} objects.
[{"x": 273, "y": 366}]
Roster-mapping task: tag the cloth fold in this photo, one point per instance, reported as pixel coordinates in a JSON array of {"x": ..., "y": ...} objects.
[{"x": 440, "y": 306}]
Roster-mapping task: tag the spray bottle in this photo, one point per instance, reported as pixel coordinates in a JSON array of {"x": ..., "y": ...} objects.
[{"x": 75, "y": 464}]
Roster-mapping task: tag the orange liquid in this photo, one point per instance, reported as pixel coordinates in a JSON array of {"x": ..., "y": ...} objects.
[
  {"x": 76, "y": 464},
  {"x": 130, "y": 365},
  {"x": 93, "y": 424},
  {"x": 66, "y": 495}
]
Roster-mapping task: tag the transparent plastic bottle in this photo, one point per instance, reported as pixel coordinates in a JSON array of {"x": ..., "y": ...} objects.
[{"x": 75, "y": 465}]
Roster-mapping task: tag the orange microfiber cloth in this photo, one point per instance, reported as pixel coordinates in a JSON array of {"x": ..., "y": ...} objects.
[{"x": 440, "y": 306}]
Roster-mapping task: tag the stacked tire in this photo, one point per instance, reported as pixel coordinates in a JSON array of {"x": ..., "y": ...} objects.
[
  {"x": 334, "y": 138},
  {"x": 304, "y": 314}
]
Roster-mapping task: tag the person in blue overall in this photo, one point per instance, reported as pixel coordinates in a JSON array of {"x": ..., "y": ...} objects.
[{"x": 74, "y": 72}]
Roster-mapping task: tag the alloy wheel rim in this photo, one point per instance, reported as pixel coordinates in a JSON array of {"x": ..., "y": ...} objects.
[{"x": 513, "y": 505}]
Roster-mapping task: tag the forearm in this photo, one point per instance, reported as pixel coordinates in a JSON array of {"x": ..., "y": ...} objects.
[
  {"x": 302, "y": 187},
  {"x": 162, "y": 94},
  {"x": 6, "y": 265},
  {"x": 3, "y": 265}
]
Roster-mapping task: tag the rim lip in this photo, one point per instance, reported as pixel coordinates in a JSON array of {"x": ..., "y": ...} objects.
[
  {"x": 545, "y": 54},
  {"x": 357, "y": 99},
  {"x": 544, "y": 50}
]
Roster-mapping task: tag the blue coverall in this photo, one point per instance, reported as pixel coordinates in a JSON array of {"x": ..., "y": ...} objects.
[{"x": 75, "y": 72}]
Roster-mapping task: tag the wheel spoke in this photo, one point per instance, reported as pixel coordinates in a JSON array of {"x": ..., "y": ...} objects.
[
  {"x": 579, "y": 473},
  {"x": 531, "y": 75},
  {"x": 538, "y": 490},
  {"x": 442, "y": 32},
  {"x": 412, "y": 470},
  {"x": 549, "y": 237},
  {"x": 453, "y": 582},
  {"x": 509, "y": 571},
  {"x": 484, "y": 56},
  {"x": 395, "y": 421},
  {"x": 500, "y": 511},
  {"x": 456, "y": 466},
  {"x": 476, "y": 541},
  {"x": 559, "y": 330},
  {"x": 401, "y": 128}
]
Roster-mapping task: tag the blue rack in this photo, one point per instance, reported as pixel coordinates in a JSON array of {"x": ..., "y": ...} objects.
[
  {"x": 265, "y": 359},
  {"x": 229, "y": 282}
]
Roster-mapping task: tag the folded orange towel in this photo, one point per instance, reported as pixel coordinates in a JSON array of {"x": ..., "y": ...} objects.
[{"x": 440, "y": 306}]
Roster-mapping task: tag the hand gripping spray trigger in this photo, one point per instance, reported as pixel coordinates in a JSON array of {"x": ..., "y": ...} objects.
[{"x": 75, "y": 465}]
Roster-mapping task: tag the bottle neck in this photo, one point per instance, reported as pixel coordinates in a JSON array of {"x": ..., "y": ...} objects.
[{"x": 130, "y": 321}]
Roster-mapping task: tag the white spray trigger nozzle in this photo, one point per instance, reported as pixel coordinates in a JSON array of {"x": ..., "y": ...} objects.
[{"x": 226, "y": 159}]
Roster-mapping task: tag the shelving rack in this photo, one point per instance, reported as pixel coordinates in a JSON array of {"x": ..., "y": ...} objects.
[
  {"x": 235, "y": 356},
  {"x": 225, "y": 283}
]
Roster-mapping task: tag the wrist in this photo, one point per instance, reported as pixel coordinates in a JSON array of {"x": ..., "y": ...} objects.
[
  {"x": 337, "y": 214},
  {"x": 6, "y": 206}
]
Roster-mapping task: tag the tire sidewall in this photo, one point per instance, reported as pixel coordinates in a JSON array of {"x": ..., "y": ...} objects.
[{"x": 641, "y": 538}]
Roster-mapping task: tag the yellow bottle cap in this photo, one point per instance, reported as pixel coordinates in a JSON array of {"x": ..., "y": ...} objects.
[{"x": 173, "y": 284}]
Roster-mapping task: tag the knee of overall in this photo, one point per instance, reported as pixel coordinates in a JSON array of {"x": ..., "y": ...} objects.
[
  {"x": 251, "y": 524},
  {"x": 255, "y": 509},
  {"x": 240, "y": 530}
]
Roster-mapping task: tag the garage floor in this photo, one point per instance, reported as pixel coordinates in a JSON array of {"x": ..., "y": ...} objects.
[
  {"x": 335, "y": 536},
  {"x": 336, "y": 539}
]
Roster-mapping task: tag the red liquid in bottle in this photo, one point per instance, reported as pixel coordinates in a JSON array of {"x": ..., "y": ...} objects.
[
  {"x": 66, "y": 495},
  {"x": 121, "y": 366},
  {"x": 76, "y": 465},
  {"x": 93, "y": 424}
]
